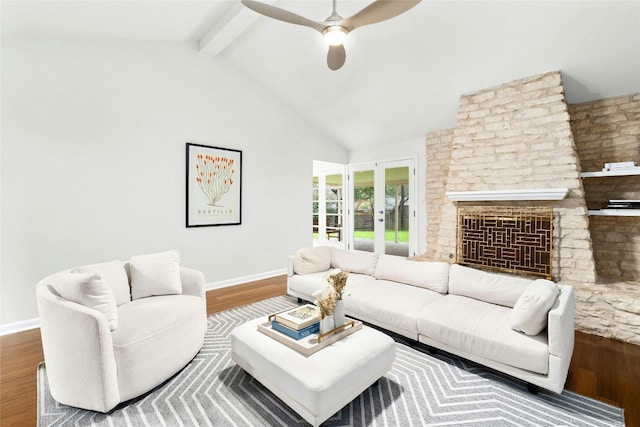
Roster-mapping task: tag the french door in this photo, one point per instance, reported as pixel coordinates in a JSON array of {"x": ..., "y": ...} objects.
[
  {"x": 381, "y": 207},
  {"x": 328, "y": 205}
]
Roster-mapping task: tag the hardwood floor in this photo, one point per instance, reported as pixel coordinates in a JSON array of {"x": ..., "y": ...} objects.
[
  {"x": 607, "y": 370},
  {"x": 235, "y": 296},
  {"x": 601, "y": 368},
  {"x": 19, "y": 357}
]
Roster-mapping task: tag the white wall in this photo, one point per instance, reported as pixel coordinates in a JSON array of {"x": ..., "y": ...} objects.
[
  {"x": 93, "y": 161},
  {"x": 402, "y": 150}
]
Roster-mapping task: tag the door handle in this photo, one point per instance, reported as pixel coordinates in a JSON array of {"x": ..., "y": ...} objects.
[{"x": 380, "y": 219}]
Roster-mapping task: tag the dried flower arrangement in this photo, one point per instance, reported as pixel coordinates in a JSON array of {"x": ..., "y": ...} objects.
[
  {"x": 327, "y": 303},
  {"x": 338, "y": 281}
]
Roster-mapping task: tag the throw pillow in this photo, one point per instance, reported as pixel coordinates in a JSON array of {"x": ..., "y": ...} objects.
[
  {"x": 529, "y": 314},
  {"x": 155, "y": 274},
  {"x": 89, "y": 289},
  {"x": 312, "y": 260},
  {"x": 115, "y": 276}
]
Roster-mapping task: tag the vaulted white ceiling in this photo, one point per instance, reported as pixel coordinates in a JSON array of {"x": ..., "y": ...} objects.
[{"x": 402, "y": 77}]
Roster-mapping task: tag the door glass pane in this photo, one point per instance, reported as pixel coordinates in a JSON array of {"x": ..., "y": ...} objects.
[
  {"x": 315, "y": 229},
  {"x": 363, "y": 211},
  {"x": 396, "y": 233},
  {"x": 334, "y": 207}
]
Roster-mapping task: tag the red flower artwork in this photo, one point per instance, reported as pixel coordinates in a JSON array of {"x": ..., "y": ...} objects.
[{"x": 214, "y": 176}]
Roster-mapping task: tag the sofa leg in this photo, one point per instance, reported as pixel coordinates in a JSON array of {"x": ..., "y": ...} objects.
[
  {"x": 300, "y": 301},
  {"x": 533, "y": 389}
]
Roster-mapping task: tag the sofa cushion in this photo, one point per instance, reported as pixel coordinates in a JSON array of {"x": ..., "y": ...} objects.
[
  {"x": 425, "y": 274},
  {"x": 87, "y": 288},
  {"x": 483, "y": 329},
  {"x": 529, "y": 314},
  {"x": 155, "y": 274},
  {"x": 484, "y": 286},
  {"x": 155, "y": 339},
  {"x": 114, "y": 274},
  {"x": 312, "y": 260},
  {"x": 354, "y": 262},
  {"x": 392, "y": 305}
]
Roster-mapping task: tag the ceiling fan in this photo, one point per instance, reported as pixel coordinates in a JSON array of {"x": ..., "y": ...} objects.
[{"x": 335, "y": 28}]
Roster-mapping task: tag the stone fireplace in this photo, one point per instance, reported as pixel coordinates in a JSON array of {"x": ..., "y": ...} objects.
[{"x": 522, "y": 136}]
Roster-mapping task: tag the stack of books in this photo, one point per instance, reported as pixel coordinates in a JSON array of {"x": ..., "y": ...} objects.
[
  {"x": 298, "y": 322},
  {"x": 623, "y": 204}
]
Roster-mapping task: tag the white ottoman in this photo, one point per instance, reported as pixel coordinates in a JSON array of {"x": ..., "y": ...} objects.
[{"x": 317, "y": 386}]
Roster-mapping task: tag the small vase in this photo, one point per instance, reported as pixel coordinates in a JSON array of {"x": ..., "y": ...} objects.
[
  {"x": 338, "y": 314},
  {"x": 326, "y": 324}
]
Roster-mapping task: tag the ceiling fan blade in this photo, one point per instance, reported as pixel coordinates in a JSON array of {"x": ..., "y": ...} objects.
[
  {"x": 336, "y": 57},
  {"x": 282, "y": 15},
  {"x": 378, "y": 11}
]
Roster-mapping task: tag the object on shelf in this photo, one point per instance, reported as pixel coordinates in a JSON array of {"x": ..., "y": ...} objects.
[
  {"x": 623, "y": 204},
  {"x": 619, "y": 166}
]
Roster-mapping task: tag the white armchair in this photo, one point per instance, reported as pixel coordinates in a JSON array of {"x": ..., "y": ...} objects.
[{"x": 95, "y": 363}]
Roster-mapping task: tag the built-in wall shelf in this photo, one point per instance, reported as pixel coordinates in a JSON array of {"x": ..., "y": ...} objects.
[
  {"x": 614, "y": 212},
  {"x": 632, "y": 171},
  {"x": 503, "y": 195},
  {"x": 622, "y": 172}
]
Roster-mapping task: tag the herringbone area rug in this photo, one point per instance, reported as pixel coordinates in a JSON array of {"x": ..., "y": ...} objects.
[{"x": 420, "y": 390}]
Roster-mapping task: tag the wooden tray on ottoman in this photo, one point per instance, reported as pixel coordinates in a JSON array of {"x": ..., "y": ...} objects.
[{"x": 314, "y": 342}]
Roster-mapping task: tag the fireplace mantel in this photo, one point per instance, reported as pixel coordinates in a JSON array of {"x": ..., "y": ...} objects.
[{"x": 502, "y": 195}]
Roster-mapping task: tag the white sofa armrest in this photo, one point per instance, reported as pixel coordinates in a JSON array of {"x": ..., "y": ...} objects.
[
  {"x": 290, "y": 261},
  {"x": 78, "y": 349},
  {"x": 192, "y": 282},
  {"x": 560, "y": 326}
]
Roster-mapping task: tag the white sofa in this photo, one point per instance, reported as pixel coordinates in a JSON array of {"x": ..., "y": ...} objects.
[
  {"x": 521, "y": 326},
  {"x": 113, "y": 331}
]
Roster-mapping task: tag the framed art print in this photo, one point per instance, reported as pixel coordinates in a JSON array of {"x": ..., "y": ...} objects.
[{"x": 214, "y": 184}]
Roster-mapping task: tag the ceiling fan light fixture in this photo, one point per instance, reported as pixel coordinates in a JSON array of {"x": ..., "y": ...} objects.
[
  {"x": 334, "y": 29},
  {"x": 335, "y": 35}
]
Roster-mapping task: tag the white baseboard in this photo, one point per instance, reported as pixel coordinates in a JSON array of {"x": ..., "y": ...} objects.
[
  {"x": 24, "y": 325},
  {"x": 245, "y": 279}
]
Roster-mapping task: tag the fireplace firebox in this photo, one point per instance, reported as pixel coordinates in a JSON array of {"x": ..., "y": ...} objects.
[{"x": 517, "y": 240}]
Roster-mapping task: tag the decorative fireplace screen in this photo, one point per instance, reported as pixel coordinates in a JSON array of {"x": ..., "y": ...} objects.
[{"x": 513, "y": 239}]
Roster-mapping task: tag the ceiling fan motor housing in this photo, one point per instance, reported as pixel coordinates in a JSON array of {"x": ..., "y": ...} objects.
[{"x": 335, "y": 34}]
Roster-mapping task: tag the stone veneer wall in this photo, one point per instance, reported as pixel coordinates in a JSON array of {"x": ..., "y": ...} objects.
[
  {"x": 439, "y": 146},
  {"x": 519, "y": 136},
  {"x": 608, "y": 130}
]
